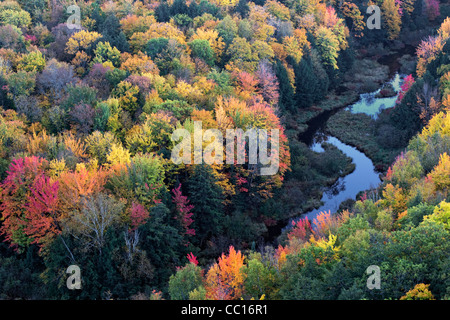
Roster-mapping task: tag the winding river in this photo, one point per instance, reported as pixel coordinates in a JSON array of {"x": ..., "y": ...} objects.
[{"x": 364, "y": 176}]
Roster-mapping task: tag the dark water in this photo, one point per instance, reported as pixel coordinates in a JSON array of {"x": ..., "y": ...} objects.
[
  {"x": 364, "y": 177},
  {"x": 372, "y": 106},
  {"x": 392, "y": 60}
]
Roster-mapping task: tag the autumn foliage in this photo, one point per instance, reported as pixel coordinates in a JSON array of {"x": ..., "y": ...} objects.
[
  {"x": 224, "y": 280},
  {"x": 88, "y": 115},
  {"x": 183, "y": 210},
  {"x": 30, "y": 203}
]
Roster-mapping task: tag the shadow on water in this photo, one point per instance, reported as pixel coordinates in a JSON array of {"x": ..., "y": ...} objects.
[
  {"x": 316, "y": 127},
  {"x": 364, "y": 177},
  {"x": 392, "y": 60}
]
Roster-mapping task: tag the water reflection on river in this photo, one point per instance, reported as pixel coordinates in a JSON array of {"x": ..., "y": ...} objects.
[
  {"x": 364, "y": 176},
  {"x": 370, "y": 105}
]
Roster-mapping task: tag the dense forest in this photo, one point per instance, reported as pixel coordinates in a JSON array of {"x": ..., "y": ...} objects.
[{"x": 92, "y": 92}]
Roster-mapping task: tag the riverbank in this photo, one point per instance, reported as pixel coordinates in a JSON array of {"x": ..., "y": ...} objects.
[
  {"x": 303, "y": 189},
  {"x": 352, "y": 130},
  {"x": 366, "y": 75},
  {"x": 373, "y": 135},
  {"x": 362, "y": 132}
]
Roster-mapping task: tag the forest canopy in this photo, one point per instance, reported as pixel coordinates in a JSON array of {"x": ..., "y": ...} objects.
[{"x": 92, "y": 92}]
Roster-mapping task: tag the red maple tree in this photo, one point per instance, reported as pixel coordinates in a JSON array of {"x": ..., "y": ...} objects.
[{"x": 183, "y": 210}]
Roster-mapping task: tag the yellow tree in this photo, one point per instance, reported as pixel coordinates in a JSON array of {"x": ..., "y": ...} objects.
[
  {"x": 444, "y": 30},
  {"x": 395, "y": 198},
  {"x": 118, "y": 155},
  {"x": 156, "y": 30},
  {"x": 225, "y": 279},
  {"x": 392, "y": 19},
  {"x": 258, "y": 20},
  {"x": 82, "y": 40},
  {"x": 206, "y": 117},
  {"x": 440, "y": 123},
  {"x": 440, "y": 176},
  {"x": 328, "y": 45},
  {"x": 419, "y": 292},
  {"x": 228, "y": 3},
  {"x": 294, "y": 44},
  {"x": 351, "y": 10},
  {"x": 278, "y": 10},
  {"x": 212, "y": 36},
  {"x": 133, "y": 23},
  {"x": 138, "y": 63}
]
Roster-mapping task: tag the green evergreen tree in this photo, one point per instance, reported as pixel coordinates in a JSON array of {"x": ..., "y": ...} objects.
[
  {"x": 178, "y": 7},
  {"x": 194, "y": 10},
  {"x": 206, "y": 196},
  {"x": 97, "y": 14},
  {"x": 286, "y": 100},
  {"x": 112, "y": 33},
  {"x": 163, "y": 244},
  {"x": 162, "y": 12},
  {"x": 305, "y": 83},
  {"x": 20, "y": 274},
  {"x": 242, "y": 8},
  {"x": 405, "y": 116}
]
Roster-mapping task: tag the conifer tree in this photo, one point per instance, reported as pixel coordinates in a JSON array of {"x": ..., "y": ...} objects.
[
  {"x": 112, "y": 33},
  {"x": 206, "y": 197},
  {"x": 242, "y": 8},
  {"x": 305, "y": 83},
  {"x": 286, "y": 90}
]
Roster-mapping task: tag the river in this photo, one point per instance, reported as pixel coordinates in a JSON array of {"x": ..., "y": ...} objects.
[{"x": 364, "y": 176}]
